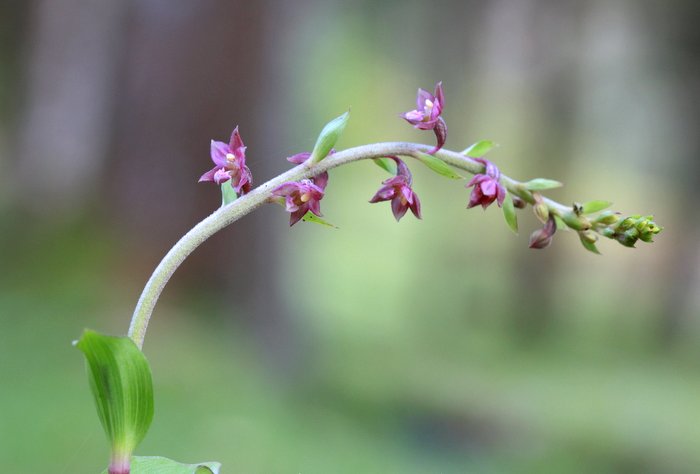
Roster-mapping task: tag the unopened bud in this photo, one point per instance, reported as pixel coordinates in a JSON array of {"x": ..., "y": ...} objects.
[
  {"x": 589, "y": 236},
  {"x": 541, "y": 210},
  {"x": 607, "y": 232},
  {"x": 542, "y": 238},
  {"x": 607, "y": 218},
  {"x": 575, "y": 221},
  {"x": 518, "y": 203}
]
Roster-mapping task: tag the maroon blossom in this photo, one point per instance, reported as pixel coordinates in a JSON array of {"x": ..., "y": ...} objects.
[
  {"x": 541, "y": 238},
  {"x": 398, "y": 191},
  {"x": 426, "y": 116},
  {"x": 302, "y": 196},
  {"x": 229, "y": 161},
  {"x": 487, "y": 187}
]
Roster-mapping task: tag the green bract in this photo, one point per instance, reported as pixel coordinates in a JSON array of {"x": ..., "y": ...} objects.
[
  {"x": 540, "y": 184},
  {"x": 159, "y": 465},
  {"x": 509, "y": 213},
  {"x": 328, "y": 137},
  {"x": 437, "y": 165},
  {"x": 387, "y": 164},
  {"x": 228, "y": 194},
  {"x": 594, "y": 206},
  {"x": 120, "y": 379},
  {"x": 479, "y": 149}
]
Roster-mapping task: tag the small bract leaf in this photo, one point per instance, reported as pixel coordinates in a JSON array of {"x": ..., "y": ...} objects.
[
  {"x": 311, "y": 217},
  {"x": 228, "y": 194},
  {"x": 160, "y": 465},
  {"x": 594, "y": 206},
  {"x": 386, "y": 164},
  {"x": 437, "y": 165},
  {"x": 120, "y": 379},
  {"x": 588, "y": 245},
  {"x": 328, "y": 137},
  {"x": 509, "y": 213},
  {"x": 561, "y": 225},
  {"x": 540, "y": 184},
  {"x": 479, "y": 149}
]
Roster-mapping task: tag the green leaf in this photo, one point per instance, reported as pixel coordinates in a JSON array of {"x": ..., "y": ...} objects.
[
  {"x": 437, "y": 165},
  {"x": 479, "y": 149},
  {"x": 328, "y": 137},
  {"x": 313, "y": 218},
  {"x": 594, "y": 206},
  {"x": 120, "y": 379},
  {"x": 386, "y": 164},
  {"x": 160, "y": 465},
  {"x": 540, "y": 184},
  {"x": 228, "y": 194},
  {"x": 509, "y": 213},
  {"x": 590, "y": 246}
]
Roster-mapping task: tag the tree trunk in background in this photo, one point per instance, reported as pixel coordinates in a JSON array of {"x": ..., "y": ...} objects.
[
  {"x": 64, "y": 130},
  {"x": 194, "y": 71},
  {"x": 679, "y": 314}
]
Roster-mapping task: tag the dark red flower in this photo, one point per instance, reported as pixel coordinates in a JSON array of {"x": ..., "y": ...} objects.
[
  {"x": 541, "y": 238},
  {"x": 302, "y": 196},
  {"x": 398, "y": 191},
  {"x": 487, "y": 187}
]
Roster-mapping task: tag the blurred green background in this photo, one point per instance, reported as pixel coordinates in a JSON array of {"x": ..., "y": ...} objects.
[{"x": 434, "y": 346}]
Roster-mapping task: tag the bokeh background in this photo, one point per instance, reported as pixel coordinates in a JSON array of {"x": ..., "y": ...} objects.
[{"x": 443, "y": 345}]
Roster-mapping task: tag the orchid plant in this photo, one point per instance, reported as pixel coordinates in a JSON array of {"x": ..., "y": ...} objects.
[{"x": 119, "y": 374}]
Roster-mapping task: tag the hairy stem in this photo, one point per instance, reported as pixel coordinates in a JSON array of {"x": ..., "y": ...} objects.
[{"x": 230, "y": 213}]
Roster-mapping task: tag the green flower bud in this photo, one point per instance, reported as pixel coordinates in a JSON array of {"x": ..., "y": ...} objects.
[
  {"x": 589, "y": 236},
  {"x": 576, "y": 222},
  {"x": 541, "y": 210},
  {"x": 607, "y": 232},
  {"x": 607, "y": 218}
]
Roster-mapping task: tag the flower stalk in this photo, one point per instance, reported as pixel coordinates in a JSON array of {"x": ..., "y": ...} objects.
[{"x": 230, "y": 213}]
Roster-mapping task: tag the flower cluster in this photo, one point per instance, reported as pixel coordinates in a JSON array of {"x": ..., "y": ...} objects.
[
  {"x": 427, "y": 114},
  {"x": 398, "y": 190},
  {"x": 487, "y": 186},
  {"x": 229, "y": 161},
  {"x": 631, "y": 229}
]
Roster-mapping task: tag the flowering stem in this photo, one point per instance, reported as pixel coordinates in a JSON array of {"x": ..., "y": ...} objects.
[{"x": 230, "y": 213}]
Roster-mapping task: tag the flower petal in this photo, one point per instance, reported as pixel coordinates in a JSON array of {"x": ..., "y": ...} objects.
[
  {"x": 399, "y": 208},
  {"x": 218, "y": 151},
  {"x": 299, "y": 158},
  {"x": 209, "y": 175}
]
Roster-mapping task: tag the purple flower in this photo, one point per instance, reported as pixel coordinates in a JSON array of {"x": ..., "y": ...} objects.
[
  {"x": 541, "y": 238},
  {"x": 426, "y": 116},
  {"x": 398, "y": 191},
  {"x": 230, "y": 164},
  {"x": 302, "y": 196},
  {"x": 487, "y": 187}
]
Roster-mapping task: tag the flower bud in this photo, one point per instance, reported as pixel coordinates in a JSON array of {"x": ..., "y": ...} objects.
[
  {"x": 541, "y": 210},
  {"x": 575, "y": 221},
  {"x": 518, "y": 203},
  {"x": 589, "y": 236},
  {"x": 607, "y": 218},
  {"x": 542, "y": 238}
]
